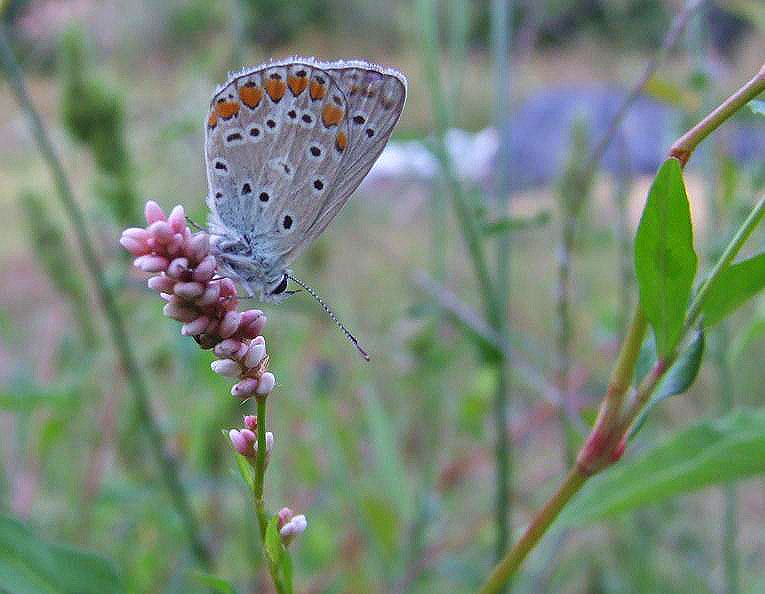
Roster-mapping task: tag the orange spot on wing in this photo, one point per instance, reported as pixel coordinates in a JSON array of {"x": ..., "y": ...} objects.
[
  {"x": 212, "y": 120},
  {"x": 227, "y": 108},
  {"x": 275, "y": 89},
  {"x": 341, "y": 141},
  {"x": 331, "y": 115},
  {"x": 297, "y": 84},
  {"x": 250, "y": 94},
  {"x": 317, "y": 90}
]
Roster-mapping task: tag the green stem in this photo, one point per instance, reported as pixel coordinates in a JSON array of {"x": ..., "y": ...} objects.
[
  {"x": 501, "y": 30},
  {"x": 169, "y": 471},
  {"x": 686, "y": 144},
  {"x": 505, "y": 568},
  {"x": 260, "y": 468}
]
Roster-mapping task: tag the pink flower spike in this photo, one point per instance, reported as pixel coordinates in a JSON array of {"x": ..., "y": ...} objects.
[
  {"x": 255, "y": 354},
  {"x": 196, "y": 326},
  {"x": 229, "y": 323},
  {"x": 244, "y": 389},
  {"x": 189, "y": 291},
  {"x": 161, "y": 231},
  {"x": 177, "y": 267},
  {"x": 205, "y": 269},
  {"x": 151, "y": 263},
  {"x": 177, "y": 219},
  {"x": 153, "y": 212},
  {"x": 227, "y": 367},
  {"x": 161, "y": 283},
  {"x": 266, "y": 384},
  {"x": 134, "y": 246},
  {"x": 228, "y": 347},
  {"x": 251, "y": 422}
]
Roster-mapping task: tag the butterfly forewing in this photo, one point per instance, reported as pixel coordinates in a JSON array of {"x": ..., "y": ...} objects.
[
  {"x": 286, "y": 144},
  {"x": 273, "y": 151}
]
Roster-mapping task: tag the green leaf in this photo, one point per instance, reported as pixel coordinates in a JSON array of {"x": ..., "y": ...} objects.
[
  {"x": 708, "y": 453},
  {"x": 677, "y": 380},
  {"x": 278, "y": 557},
  {"x": 31, "y": 565},
  {"x": 757, "y": 106},
  {"x": 665, "y": 262},
  {"x": 246, "y": 471},
  {"x": 732, "y": 287}
]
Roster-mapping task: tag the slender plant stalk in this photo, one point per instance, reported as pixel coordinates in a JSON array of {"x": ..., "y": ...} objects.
[
  {"x": 168, "y": 468},
  {"x": 501, "y": 31},
  {"x": 260, "y": 468},
  {"x": 605, "y": 443},
  {"x": 505, "y": 568}
]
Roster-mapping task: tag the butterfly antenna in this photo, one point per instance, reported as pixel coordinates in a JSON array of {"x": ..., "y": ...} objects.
[{"x": 332, "y": 315}]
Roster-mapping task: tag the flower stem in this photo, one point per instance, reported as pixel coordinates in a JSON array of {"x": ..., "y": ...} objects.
[
  {"x": 505, "y": 568},
  {"x": 260, "y": 468},
  {"x": 685, "y": 145}
]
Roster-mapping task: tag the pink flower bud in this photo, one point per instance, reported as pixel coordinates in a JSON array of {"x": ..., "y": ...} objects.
[
  {"x": 205, "y": 269},
  {"x": 199, "y": 246},
  {"x": 241, "y": 443},
  {"x": 226, "y": 348},
  {"x": 176, "y": 245},
  {"x": 180, "y": 313},
  {"x": 252, "y": 323},
  {"x": 195, "y": 327},
  {"x": 210, "y": 296},
  {"x": 177, "y": 267},
  {"x": 284, "y": 516},
  {"x": 189, "y": 290},
  {"x": 177, "y": 219},
  {"x": 161, "y": 283},
  {"x": 291, "y": 529},
  {"x": 266, "y": 384},
  {"x": 151, "y": 263},
  {"x": 255, "y": 354},
  {"x": 245, "y": 388},
  {"x": 134, "y": 246},
  {"x": 227, "y": 287},
  {"x": 161, "y": 231},
  {"x": 251, "y": 422},
  {"x": 137, "y": 233},
  {"x": 229, "y": 323},
  {"x": 227, "y": 367},
  {"x": 153, "y": 212}
]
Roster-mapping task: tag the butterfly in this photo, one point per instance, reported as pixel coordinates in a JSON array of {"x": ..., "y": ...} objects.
[{"x": 286, "y": 145}]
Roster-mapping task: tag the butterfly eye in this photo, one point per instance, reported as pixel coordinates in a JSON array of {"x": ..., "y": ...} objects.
[{"x": 281, "y": 287}]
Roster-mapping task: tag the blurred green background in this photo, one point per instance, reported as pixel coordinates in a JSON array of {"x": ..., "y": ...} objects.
[{"x": 392, "y": 462}]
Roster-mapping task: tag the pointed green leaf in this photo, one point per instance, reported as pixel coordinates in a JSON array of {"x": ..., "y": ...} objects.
[
  {"x": 732, "y": 287},
  {"x": 708, "y": 453},
  {"x": 677, "y": 380},
  {"x": 28, "y": 564},
  {"x": 278, "y": 557},
  {"x": 665, "y": 262}
]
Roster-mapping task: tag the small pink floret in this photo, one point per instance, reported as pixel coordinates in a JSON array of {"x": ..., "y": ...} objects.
[
  {"x": 177, "y": 219},
  {"x": 266, "y": 384},
  {"x": 196, "y": 326},
  {"x": 153, "y": 212},
  {"x": 245, "y": 388},
  {"x": 229, "y": 324},
  {"x": 189, "y": 290}
]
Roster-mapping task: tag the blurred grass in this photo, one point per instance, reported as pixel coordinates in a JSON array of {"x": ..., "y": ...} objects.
[{"x": 354, "y": 442}]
